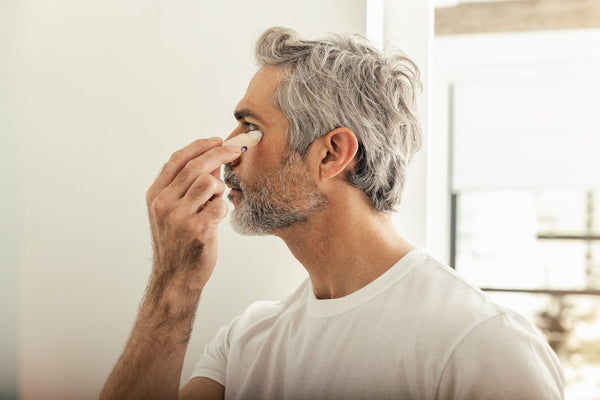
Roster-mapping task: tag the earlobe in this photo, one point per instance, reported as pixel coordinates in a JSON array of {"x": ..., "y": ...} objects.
[{"x": 339, "y": 148}]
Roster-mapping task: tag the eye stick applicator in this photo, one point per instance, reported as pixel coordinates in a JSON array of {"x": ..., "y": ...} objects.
[{"x": 244, "y": 140}]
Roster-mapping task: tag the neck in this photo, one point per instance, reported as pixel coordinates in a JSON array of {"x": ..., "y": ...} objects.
[{"x": 345, "y": 247}]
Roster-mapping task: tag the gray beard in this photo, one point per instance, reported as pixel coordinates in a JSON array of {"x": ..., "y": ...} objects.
[{"x": 280, "y": 201}]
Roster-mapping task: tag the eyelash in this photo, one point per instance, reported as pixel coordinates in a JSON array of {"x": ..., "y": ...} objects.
[{"x": 251, "y": 127}]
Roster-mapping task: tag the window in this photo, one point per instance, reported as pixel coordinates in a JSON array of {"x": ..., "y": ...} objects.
[{"x": 518, "y": 132}]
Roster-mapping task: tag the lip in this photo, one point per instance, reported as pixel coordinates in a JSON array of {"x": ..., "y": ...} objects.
[
  {"x": 234, "y": 195},
  {"x": 230, "y": 184}
]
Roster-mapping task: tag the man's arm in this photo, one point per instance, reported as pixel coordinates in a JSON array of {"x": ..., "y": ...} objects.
[{"x": 185, "y": 206}]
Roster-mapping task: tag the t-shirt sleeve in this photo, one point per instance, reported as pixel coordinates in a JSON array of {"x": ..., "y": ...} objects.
[
  {"x": 213, "y": 362},
  {"x": 502, "y": 358}
]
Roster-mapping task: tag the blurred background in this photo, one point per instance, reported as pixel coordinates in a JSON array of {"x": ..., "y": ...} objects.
[
  {"x": 95, "y": 96},
  {"x": 515, "y": 122}
]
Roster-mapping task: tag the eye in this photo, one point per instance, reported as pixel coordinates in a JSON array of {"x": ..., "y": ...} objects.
[{"x": 250, "y": 127}]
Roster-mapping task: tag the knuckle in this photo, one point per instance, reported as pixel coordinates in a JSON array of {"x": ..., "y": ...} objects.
[
  {"x": 217, "y": 210},
  {"x": 176, "y": 156},
  {"x": 158, "y": 206},
  {"x": 208, "y": 220},
  {"x": 201, "y": 185},
  {"x": 204, "y": 180},
  {"x": 150, "y": 195},
  {"x": 219, "y": 184},
  {"x": 211, "y": 183},
  {"x": 185, "y": 172},
  {"x": 220, "y": 208},
  {"x": 194, "y": 163},
  {"x": 200, "y": 142}
]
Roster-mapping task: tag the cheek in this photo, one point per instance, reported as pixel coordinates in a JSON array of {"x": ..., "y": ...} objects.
[
  {"x": 262, "y": 161},
  {"x": 253, "y": 169},
  {"x": 262, "y": 158}
]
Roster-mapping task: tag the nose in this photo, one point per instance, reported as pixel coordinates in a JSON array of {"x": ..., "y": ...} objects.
[
  {"x": 232, "y": 134},
  {"x": 235, "y": 133}
]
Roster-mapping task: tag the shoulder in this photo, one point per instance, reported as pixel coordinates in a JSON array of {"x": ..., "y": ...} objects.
[
  {"x": 502, "y": 355},
  {"x": 476, "y": 341},
  {"x": 253, "y": 322},
  {"x": 263, "y": 312},
  {"x": 485, "y": 350},
  {"x": 443, "y": 293}
]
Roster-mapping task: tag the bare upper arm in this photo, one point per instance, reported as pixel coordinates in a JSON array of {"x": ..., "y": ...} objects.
[{"x": 200, "y": 388}]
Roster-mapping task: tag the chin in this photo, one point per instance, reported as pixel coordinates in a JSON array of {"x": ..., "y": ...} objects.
[
  {"x": 242, "y": 222},
  {"x": 244, "y": 229}
]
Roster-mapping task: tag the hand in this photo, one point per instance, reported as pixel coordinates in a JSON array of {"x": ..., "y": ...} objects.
[{"x": 185, "y": 206}]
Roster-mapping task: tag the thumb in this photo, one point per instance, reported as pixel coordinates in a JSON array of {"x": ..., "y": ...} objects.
[{"x": 216, "y": 209}]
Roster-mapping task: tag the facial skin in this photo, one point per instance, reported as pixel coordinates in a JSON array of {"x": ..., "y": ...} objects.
[
  {"x": 330, "y": 218},
  {"x": 276, "y": 201},
  {"x": 272, "y": 188}
]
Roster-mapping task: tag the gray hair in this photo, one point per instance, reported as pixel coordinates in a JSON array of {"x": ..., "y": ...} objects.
[{"x": 344, "y": 81}]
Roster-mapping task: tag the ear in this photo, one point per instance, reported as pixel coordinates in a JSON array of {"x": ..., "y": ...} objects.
[{"x": 337, "y": 152}]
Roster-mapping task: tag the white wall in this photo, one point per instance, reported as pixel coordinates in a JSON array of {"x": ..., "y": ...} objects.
[
  {"x": 408, "y": 25},
  {"x": 102, "y": 93}
]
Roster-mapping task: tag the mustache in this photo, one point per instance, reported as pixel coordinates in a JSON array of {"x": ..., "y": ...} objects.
[{"x": 231, "y": 179}]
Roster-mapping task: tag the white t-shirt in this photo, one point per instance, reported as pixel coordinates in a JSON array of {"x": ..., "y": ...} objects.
[{"x": 419, "y": 331}]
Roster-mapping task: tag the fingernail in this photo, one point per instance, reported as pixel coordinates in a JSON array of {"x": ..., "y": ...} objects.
[{"x": 215, "y": 139}]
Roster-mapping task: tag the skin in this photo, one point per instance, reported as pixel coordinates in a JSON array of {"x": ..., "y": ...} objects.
[{"x": 185, "y": 207}]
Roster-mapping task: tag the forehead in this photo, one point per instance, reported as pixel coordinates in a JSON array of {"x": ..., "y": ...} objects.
[{"x": 260, "y": 91}]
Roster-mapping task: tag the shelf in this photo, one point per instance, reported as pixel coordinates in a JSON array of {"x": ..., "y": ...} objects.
[{"x": 559, "y": 236}]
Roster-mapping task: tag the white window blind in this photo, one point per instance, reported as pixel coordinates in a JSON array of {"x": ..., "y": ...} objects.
[{"x": 526, "y": 133}]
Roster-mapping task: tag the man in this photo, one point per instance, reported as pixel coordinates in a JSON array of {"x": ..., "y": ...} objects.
[{"x": 377, "y": 318}]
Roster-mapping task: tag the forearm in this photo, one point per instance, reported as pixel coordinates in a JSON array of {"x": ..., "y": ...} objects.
[
  {"x": 151, "y": 364},
  {"x": 185, "y": 206}
]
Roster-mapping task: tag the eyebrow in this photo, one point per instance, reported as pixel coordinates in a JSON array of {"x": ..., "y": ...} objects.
[{"x": 246, "y": 113}]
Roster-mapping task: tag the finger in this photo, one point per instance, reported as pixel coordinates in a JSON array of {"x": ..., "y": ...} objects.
[
  {"x": 214, "y": 211},
  {"x": 206, "y": 223},
  {"x": 205, "y": 164},
  {"x": 178, "y": 160},
  {"x": 204, "y": 188}
]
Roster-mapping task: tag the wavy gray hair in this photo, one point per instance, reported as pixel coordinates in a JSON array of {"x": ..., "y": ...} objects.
[{"x": 344, "y": 81}]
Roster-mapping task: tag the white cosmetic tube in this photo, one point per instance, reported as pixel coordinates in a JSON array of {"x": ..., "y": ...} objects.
[{"x": 244, "y": 140}]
